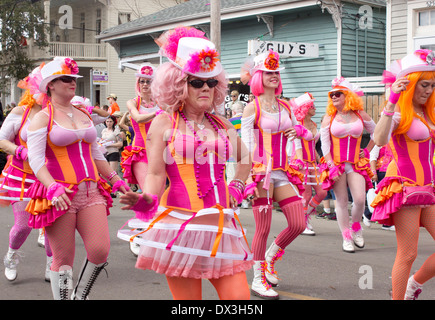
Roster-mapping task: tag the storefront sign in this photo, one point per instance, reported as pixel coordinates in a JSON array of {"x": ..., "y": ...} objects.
[
  {"x": 100, "y": 77},
  {"x": 285, "y": 49}
]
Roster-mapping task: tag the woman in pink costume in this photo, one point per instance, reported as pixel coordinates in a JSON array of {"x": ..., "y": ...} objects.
[
  {"x": 17, "y": 177},
  {"x": 267, "y": 124},
  {"x": 306, "y": 157},
  {"x": 194, "y": 234},
  {"x": 142, "y": 110},
  {"x": 69, "y": 193},
  {"x": 408, "y": 126},
  {"x": 347, "y": 166}
]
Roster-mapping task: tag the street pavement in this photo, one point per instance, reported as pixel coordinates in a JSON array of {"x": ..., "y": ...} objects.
[{"x": 313, "y": 267}]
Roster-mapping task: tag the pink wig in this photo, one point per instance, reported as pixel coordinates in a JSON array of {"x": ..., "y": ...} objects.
[
  {"x": 169, "y": 88},
  {"x": 300, "y": 111},
  {"x": 256, "y": 84}
]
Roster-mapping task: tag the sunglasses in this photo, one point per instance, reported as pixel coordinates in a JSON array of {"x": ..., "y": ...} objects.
[
  {"x": 197, "y": 83},
  {"x": 66, "y": 79},
  {"x": 145, "y": 81},
  {"x": 336, "y": 94}
]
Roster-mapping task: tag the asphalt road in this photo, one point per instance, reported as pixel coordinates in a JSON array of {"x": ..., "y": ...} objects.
[{"x": 313, "y": 267}]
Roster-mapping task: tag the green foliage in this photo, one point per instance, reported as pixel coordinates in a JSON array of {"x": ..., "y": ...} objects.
[{"x": 20, "y": 20}]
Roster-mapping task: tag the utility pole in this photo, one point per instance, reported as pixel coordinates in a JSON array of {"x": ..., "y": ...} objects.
[{"x": 215, "y": 23}]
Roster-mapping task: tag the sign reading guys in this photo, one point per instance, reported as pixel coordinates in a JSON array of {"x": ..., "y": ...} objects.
[{"x": 285, "y": 49}]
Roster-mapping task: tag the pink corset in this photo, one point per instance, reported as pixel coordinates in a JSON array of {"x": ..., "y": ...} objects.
[
  {"x": 341, "y": 130},
  {"x": 275, "y": 122},
  {"x": 61, "y": 136}
]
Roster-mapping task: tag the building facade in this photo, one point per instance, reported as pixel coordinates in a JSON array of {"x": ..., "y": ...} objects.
[
  {"x": 349, "y": 37},
  {"x": 73, "y": 27}
]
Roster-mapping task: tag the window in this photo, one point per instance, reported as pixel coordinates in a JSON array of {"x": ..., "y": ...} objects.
[
  {"x": 124, "y": 17},
  {"x": 98, "y": 24},
  {"x": 426, "y": 18}
]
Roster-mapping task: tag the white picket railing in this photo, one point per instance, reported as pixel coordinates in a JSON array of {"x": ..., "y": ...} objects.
[{"x": 78, "y": 50}]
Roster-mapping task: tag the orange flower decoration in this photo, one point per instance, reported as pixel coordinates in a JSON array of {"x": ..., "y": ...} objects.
[{"x": 272, "y": 61}]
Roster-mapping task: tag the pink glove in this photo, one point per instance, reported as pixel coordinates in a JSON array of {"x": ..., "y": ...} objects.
[
  {"x": 301, "y": 131},
  {"x": 54, "y": 190},
  {"x": 235, "y": 193},
  {"x": 118, "y": 184},
  {"x": 144, "y": 210},
  {"x": 249, "y": 189},
  {"x": 89, "y": 109},
  {"x": 334, "y": 172}
]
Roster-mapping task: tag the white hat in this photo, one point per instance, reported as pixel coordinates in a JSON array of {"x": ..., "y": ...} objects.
[
  {"x": 301, "y": 105},
  {"x": 340, "y": 84},
  {"x": 146, "y": 70},
  {"x": 267, "y": 61},
  {"x": 59, "y": 67},
  {"x": 189, "y": 50},
  {"x": 420, "y": 60}
]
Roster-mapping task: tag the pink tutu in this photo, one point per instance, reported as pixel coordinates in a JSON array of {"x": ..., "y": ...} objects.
[
  {"x": 181, "y": 245},
  {"x": 14, "y": 185},
  {"x": 43, "y": 214},
  {"x": 388, "y": 200},
  {"x": 362, "y": 167},
  {"x": 129, "y": 155}
]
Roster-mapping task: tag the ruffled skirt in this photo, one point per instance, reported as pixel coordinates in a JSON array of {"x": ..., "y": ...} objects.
[
  {"x": 129, "y": 155},
  {"x": 14, "y": 185},
  {"x": 362, "y": 167},
  {"x": 388, "y": 200},
  {"x": 204, "y": 245},
  {"x": 43, "y": 213}
]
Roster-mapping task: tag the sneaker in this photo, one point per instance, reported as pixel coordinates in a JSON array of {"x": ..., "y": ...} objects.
[
  {"x": 366, "y": 221},
  {"x": 331, "y": 216},
  {"x": 245, "y": 204},
  {"x": 134, "y": 248},
  {"x": 413, "y": 289},
  {"x": 321, "y": 215},
  {"x": 47, "y": 268},
  {"x": 11, "y": 261},
  {"x": 308, "y": 232},
  {"x": 388, "y": 228},
  {"x": 348, "y": 246},
  {"x": 41, "y": 238}
]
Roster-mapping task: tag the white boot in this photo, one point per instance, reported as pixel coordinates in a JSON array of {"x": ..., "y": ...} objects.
[
  {"x": 357, "y": 236},
  {"x": 86, "y": 280},
  {"x": 11, "y": 261},
  {"x": 413, "y": 289},
  {"x": 259, "y": 286},
  {"x": 272, "y": 254},
  {"x": 41, "y": 238},
  {"x": 47, "y": 268},
  {"x": 347, "y": 241},
  {"x": 61, "y": 283}
]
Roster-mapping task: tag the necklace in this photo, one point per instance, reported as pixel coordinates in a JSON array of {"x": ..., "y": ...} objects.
[
  {"x": 201, "y": 125},
  {"x": 199, "y": 152},
  {"x": 270, "y": 107},
  {"x": 69, "y": 114},
  {"x": 345, "y": 116}
]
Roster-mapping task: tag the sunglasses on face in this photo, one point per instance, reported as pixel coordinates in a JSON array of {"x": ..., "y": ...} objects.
[
  {"x": 335, "y": 94},
  {"x": 145, "y": 81},
  {"x": 197, "y": 83},
  {"x": 66, "y": 79}
]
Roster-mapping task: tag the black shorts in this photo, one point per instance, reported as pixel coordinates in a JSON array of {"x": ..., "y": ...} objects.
[{"x": 114, "y": 156}]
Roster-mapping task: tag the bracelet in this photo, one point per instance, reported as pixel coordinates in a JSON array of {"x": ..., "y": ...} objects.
[
  {"x": 394, "y": 97},
  {"x": 388, "y": 113},
  {"x": 52, "y": 190},
  {"x": 111, "y": 175},
  {"x": 18, "y": 151}
]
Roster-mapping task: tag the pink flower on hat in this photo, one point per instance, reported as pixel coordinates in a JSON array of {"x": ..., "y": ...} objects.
[
  {"x": 272, "y": 61},
  {"x": 203, "y": 61},
  {"x": 337, "y": 81},
  {"x": 72, "y": 66},
  {"x": 146, "y": 70},
  {"x": 426, "y": 55}
]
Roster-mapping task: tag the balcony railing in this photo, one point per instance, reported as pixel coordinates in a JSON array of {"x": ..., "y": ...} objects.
[{"x": 78, "y": 50}]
